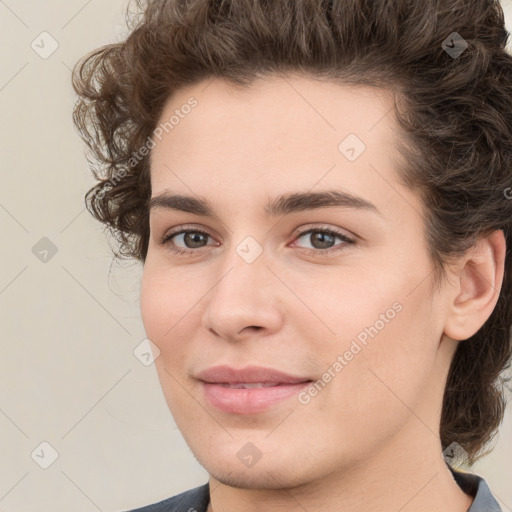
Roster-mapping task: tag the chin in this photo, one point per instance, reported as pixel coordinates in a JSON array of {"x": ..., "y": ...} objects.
[
  {"x": 275, "y": 474},
  {"x": 255, "y": 479}
]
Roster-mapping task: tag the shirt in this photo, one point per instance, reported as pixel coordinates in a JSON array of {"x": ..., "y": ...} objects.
[{"x": 196, "y": 500}]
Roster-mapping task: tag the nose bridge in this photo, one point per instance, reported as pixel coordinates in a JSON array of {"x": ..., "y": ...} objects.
[
  {"x": 243, "y": 267},
  {"x": 241, "y": 295}
]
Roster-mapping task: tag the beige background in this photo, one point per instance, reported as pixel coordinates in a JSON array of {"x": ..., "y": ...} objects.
[{"x": 68, "y": 375}]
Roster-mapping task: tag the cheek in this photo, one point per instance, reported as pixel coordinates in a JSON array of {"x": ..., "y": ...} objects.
[
  {"x": 385, "y": 332},
  {"x": 152, "y": 306},
  {"x": 171, "y": 309},
  {"x": 165, "y": 312},
  {"x": 390, "y": 366},
  {"x": 167, "y": 302}
]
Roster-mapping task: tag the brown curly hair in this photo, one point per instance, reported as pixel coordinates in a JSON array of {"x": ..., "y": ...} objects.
[{"x": 454, "y": 113}]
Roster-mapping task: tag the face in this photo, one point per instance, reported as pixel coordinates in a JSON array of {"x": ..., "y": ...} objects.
[{"x": 298, "y": 336}]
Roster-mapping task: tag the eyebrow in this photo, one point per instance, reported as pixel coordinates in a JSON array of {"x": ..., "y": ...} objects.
[{"x": 279, "y": 206}]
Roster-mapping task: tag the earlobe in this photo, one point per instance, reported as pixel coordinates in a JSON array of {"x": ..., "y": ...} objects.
[{"x": 476, "y": 287}]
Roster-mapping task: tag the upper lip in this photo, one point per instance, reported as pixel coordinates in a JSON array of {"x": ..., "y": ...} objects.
[{"x": 228, "y": 375}]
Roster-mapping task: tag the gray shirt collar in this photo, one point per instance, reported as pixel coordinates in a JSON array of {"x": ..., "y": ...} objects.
[{"x": 477, "y": 487}]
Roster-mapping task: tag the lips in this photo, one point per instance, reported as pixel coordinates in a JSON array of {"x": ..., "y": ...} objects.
[
  {"x": 248, "y": 375},
  {"x": 248, "y": 390},
  {"x": 248, "y": 385}
]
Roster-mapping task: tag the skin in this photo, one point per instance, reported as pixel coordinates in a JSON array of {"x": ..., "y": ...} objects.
[{"x": 370, "y": 439}]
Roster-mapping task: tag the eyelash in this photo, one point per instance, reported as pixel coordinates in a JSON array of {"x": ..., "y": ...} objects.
[{"x": 167, "y": 239}]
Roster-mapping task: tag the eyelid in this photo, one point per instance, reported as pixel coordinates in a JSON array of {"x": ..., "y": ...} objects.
[
  {"x": 347, "y": 240},
  {"x": 324, "y": 228},
  {"x": 176, "y": 230},
  {"x": 165, "y": 239},
  {"x": 298, "y": 233}
]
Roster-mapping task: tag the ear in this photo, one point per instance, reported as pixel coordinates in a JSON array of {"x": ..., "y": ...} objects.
[{"x": 476, "y": 286}]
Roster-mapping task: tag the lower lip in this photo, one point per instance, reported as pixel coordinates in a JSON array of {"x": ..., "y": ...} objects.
[{"x": 249, "y": 401}]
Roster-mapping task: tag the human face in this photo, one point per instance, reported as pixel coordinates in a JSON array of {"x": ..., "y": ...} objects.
[{"x": 250, "y": 291}]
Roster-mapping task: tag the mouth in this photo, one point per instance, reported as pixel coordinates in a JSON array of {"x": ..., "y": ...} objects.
[
  {"x": 249, "y": 385},
  {"x": 248, "y": 390}
]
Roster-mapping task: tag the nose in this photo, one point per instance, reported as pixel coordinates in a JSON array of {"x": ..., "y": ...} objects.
[{"x": 244, "y": 301}]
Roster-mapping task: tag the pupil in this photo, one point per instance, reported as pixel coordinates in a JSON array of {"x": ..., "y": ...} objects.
[
  {"x": 323, "y": 238},
  {"x": 193, "y": 238}
]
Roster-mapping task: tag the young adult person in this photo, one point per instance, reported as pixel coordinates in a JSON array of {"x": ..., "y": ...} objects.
[{"x": 320, "y": 194}]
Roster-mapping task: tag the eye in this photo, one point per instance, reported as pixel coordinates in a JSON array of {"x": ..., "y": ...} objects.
[
  {"x": 192, "y": 239},
  {"x": 189, "y": 241},
  {"x": 322, "y": 240}
]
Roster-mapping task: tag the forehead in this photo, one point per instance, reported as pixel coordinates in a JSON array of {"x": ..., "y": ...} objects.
[
  {"x": 297, "y": 109},
  {"x": 278, "y": 134}
]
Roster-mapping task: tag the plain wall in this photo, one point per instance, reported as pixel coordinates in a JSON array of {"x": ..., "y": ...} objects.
[{"x": 70, "y": 321}]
